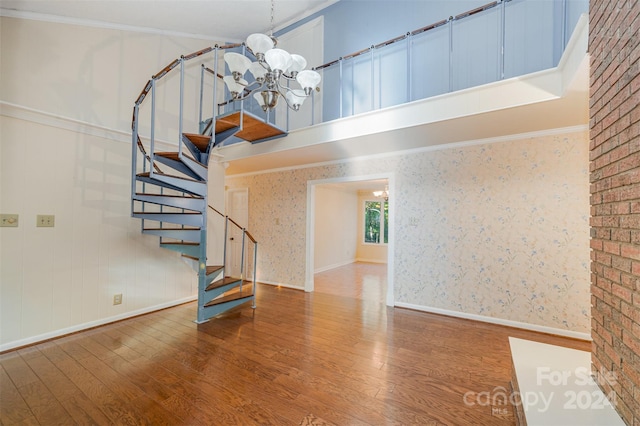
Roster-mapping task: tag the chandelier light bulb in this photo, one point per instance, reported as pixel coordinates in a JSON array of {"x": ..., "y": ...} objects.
[
  {"x": 295, "y": 98},
  {"x": 259, "y": 44},
  {"x": 278, "y": 60},
  {"x": 298, "y": 63},
  {"x": 236, "y": 87},
  {"x": 308, "y": 80},
  {"x": 258, "y": 71},
  {"x": 238, "y": 64}
]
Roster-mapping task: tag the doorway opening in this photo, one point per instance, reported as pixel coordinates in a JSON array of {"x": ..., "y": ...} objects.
[{"x": 339, "y": 235}]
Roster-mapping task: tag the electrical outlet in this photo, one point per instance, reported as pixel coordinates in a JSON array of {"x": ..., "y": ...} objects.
[
  {"x": 45, "y": 220},
  {"x": 117, "y": 299},
  {"x": 9, "y": 220}
]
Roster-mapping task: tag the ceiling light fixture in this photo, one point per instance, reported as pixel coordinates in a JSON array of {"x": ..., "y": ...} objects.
[
  {"x": 382, "y": 194},
  {"x": 272, "y": 71}
]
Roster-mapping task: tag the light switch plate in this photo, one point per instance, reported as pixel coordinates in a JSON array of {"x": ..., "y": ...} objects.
[
  {"x": 9, "y": 220},
  {"x": 45, "y": 220}
]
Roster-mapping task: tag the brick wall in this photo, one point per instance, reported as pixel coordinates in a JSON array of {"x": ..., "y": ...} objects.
[{"x": 614, "y": 46}]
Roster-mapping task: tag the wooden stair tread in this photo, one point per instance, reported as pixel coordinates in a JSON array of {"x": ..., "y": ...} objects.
[
  {"x": 181, "y": 243},
  {"x": 213, "y": 268},
  {"x": 253, "y": 128},
  {"x": 148, "y": 175},
  {"x": 197, "y": 197},
  {"x": 159, "y": 213},
  {"x": 171, "y": 229},
  {"x": 226, "y": 281},
  {"x": 174, "y": 155},
  {"x": 231, "y": 297},
  {"x": 171, "y": 155},
  {"x": 200, "y": 141}
]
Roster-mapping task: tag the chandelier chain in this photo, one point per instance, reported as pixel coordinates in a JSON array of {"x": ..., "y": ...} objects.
[{"x": 273, "y": 7}]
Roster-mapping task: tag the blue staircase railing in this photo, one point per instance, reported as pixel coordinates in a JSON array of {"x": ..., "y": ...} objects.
[{"x": 173, "y": 205}]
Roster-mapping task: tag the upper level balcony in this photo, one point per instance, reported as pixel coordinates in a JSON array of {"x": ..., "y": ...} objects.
[
  {"x": 451, "y": 81},
  {"x": 508, "y": 67}
]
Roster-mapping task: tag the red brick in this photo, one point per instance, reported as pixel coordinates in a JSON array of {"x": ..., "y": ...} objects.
[
  {"x": 621, "y": 292},
  {"x": 611, "y": 247},
  {"x": 596, "y": 244},
  {"x": 614, "y": 186},
  {"x": 630, "y": 250},
  {"x": 621, "y": 264}
]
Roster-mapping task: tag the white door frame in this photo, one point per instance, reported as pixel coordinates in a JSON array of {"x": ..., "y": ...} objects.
[
  {"x": 311, "y": 204},
  {"x": 228, "y": 194}
]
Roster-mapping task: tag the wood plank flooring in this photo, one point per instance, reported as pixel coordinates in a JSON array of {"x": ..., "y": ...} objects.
[{"x": 337, "y": 356}]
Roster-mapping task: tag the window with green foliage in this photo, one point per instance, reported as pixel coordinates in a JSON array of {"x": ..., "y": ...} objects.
[{"x": 376, "y": 222}]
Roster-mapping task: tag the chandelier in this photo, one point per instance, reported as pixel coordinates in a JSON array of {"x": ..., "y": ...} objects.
[{"x": 273, "y": 70}]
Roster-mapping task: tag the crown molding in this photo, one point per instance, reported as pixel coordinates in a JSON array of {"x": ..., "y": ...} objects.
[{"x": 10, "y": 13}]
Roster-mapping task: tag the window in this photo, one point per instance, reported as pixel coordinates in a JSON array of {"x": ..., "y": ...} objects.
[{"x": 376, "y": 222}]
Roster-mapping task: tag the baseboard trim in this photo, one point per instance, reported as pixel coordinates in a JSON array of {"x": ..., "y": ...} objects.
[
  {"x": 498, "y": 321},
  {"x": 91, "y": 324},
  {"x": 335, "y": 265},
  {"x": 381, "y": 261},
  {"x": 294, "y": 287}
]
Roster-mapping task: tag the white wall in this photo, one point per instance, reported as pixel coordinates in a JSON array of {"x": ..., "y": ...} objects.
[
  {"x": 335, "y": 227},
  {"x": 68, "y": 93},
  {"x": 495, "y": 230}
]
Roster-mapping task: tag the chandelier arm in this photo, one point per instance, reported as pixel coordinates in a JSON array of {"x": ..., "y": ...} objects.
[
  {"x": 293, "y": 107},
  {"x": 265, "y": 65},
  {"x": 284, "y": 90},
  {"x": 248, "y": 91}
]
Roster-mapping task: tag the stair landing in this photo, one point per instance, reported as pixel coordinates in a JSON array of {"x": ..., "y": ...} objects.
[{"x": 254, "y": 129}]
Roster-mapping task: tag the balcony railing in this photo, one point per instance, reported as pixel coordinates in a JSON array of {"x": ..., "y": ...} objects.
[{"x": 500, "y": 40}]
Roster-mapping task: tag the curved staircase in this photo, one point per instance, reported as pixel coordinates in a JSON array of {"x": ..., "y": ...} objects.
[{"x": 169, "y": 190}]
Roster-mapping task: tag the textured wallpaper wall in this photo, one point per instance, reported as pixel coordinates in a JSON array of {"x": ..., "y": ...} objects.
[{"x": 498, "y": 229}]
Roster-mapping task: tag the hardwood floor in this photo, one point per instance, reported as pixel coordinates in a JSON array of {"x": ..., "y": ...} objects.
[{"x": 335, "y": 356}]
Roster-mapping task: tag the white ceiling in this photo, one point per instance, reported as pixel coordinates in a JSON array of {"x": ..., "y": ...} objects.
[{"x": 220, "y": 20}]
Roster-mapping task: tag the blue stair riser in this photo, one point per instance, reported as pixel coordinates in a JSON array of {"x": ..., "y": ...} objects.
[
  {"x": 177, "y": 234},
  {"x": 163, "y": 184},
  {"x": 189, "y": 250},
  {"x": 212, "y": 294},
  {"x": 214, "y": 276},
  {"x": 196, "y": 167},
  {"x": 191, "y": 186},
  {"x": 222, "y": 137},
  {"x": 191, "y": 219},
  {"x": 190, "y": 203},
  {"x": 203, "y": 157},
  {"x": 207, "y": 312},
  {"x": 177, "y": 165}
]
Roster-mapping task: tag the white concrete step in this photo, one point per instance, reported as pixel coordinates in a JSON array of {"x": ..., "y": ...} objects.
[{"x": 556, "y": 387}]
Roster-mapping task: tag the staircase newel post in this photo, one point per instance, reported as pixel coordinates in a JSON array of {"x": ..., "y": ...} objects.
[
  {"x": 201, "y": 98},
  {"x": 224, "y": 249},
  {"x": 244, "y": 236},
  {"x": 202, "y": 265},
  {"x": 502, "y": 40},
  {"x": 214, "y": 107},
  {"x": 255, "y": 268},
  {"x": 181, "y": 113},
  {"x": 134, "y": 153},
  {"x": 153, "y": 126},
  {"x": 450, "y": 22}
]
